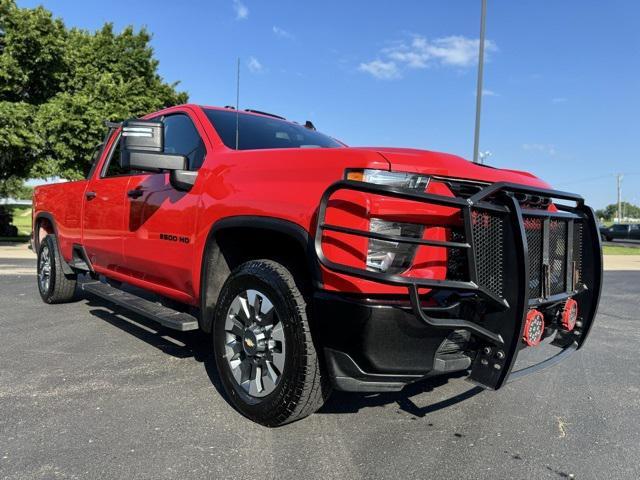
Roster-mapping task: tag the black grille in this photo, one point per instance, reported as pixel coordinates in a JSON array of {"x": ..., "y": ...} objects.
[
  {"x": 457, "y": 262},
  {"x": 468, "y": 188},
  {"x": 488, "y": 237},
  {"x": 557, "y": 256},
  {"x": 577, "y": 250},
  {"x": 533, "y": 229},
  {"x": 547, "y": 274},
  {"x": 465, "y": 189}
]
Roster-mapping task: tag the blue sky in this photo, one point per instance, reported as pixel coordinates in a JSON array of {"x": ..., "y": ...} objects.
[{"x": 562, "y": 80}]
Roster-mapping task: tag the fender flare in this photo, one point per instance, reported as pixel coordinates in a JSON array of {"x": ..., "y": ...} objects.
[
  {"x": 67, "y": 270},
  {"x": 278, "y": 225}
]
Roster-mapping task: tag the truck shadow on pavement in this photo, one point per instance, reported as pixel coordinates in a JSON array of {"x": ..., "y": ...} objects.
[
  {"x": 344, "y": 402},
  {"x": 197, "y": 345}
]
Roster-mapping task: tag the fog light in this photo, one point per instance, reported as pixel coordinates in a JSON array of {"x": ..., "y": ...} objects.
[
  {"x": 570, "y": 314},
  {"x": 533, "y": 328}
]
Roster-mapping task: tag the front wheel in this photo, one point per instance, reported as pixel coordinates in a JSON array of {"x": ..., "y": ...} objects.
[
  {"x": 264, "y": 352},
  {"x": 54, "y": 286}
]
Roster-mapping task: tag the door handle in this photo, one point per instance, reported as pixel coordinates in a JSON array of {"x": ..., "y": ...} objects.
[
  {"x": 135, "y": 193},
  {"x": 90, "y": 195}
]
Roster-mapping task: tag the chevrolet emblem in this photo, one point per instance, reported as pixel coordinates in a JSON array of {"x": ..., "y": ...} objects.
[{"x": 249, "y": 342}]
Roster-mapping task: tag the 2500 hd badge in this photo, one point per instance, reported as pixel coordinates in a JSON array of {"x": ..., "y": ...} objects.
[{"x": 174, "y": 238}]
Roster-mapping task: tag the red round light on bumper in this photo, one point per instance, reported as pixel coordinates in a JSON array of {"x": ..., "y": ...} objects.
[
  {"x": 570, "y": 314},
  {"x": 533, "y": 328}
]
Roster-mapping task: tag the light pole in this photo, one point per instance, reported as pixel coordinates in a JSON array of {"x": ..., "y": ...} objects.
[
  {"x": 484, "y": 155},
  {"x": 476, "y": 139},
  {"x": 619, "y": 198}
]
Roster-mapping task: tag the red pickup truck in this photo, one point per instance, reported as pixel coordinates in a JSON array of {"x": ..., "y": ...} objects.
[{"x": 314, "y": 265}]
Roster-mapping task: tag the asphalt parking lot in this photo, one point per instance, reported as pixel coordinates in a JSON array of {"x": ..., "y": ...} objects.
[{"x": 87, "y": 391}]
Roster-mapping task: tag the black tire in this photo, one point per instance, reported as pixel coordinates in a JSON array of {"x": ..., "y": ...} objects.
[
  {"x": 302, "y": 388},
  {"x": 59, "y": 288}
]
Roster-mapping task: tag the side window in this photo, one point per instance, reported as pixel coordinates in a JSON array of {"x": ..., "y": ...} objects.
[
  {"x": 112, "y": 166},
  {"x": 95, "y": 158},
  {"x": 181, "y": 136}
]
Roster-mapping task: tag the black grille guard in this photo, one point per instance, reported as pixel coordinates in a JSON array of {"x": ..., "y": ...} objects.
[{"x": 501, "y": 331}]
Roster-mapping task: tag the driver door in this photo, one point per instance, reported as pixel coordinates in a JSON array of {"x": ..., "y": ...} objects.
[{"x": 160, "y": 220}]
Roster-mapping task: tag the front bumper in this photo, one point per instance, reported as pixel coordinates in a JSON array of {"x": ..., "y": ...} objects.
[{"x": 515, "y": 258}]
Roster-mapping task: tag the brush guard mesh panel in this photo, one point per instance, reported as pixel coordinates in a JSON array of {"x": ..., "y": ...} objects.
[{"x": 488, "y": 237}]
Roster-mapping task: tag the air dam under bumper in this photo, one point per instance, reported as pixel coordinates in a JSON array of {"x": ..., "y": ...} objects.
[
  {"x": 547, "y": 257},
  {"x": 375, "y": 345}
]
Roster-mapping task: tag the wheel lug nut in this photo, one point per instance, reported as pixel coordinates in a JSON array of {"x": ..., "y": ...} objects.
[{"x": 486, "y": 350}]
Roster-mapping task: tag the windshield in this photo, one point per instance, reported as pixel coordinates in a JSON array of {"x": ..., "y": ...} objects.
[{"x": 259, "y": 132}]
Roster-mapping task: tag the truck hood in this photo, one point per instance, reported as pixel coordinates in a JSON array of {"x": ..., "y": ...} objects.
[{"x": 447, "y": 165}]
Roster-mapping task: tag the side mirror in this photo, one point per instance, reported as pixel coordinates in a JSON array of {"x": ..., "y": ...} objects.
[
  {"x": 142, "y": 147},
  {"x": 142, "y": 135}
]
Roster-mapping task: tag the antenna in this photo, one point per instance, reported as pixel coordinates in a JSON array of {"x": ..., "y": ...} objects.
[{"x": 238, "y": 105}]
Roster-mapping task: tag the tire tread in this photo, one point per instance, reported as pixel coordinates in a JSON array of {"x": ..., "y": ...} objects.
[{"x": 64, "y": 286}]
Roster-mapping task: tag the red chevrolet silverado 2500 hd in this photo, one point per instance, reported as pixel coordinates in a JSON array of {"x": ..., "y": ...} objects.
[{"x": 316, "y": 266}]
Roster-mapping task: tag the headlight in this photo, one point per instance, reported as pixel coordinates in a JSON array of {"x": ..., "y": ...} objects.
[
  {"x": 382, "y": 255},
  {"x": 391, "y": 257},
  {"x": 412, "y": 181}
]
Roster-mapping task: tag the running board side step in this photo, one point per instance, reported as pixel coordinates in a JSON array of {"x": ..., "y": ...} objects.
[{"x": 165, "y": 316}]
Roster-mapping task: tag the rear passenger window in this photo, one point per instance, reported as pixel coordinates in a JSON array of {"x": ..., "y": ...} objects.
[{"x": 181, "y": 136}]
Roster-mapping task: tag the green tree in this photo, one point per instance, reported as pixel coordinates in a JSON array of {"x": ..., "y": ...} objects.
[
  {"x": 15, "y": 188},
  {"x": 58, "y": 86},
  {"x": 611, "y": 211}
]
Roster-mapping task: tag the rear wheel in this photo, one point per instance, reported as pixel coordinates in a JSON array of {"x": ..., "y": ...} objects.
[
  {"x": 264, "y": 352},
  {"x": 54, "y": 286}
]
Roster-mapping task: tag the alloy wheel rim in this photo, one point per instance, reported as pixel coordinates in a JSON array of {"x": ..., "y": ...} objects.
[
  {"x": 44, "y": 270},
  {"x": 255, "y": 344}
]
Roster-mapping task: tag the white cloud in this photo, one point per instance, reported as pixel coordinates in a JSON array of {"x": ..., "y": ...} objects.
[
  {"x": 242, "y": 11},
  {"x": 380, "y": 69},
  {"x": 489, "y": 93},
  {"x": 540, "y": 147},
  {"x": 558, "y": 100},
  {"x": 452, "y": 51},
  {"x": 281, "y": 32},
  {"x": 254, "y": 65},
  {"x": 455, "y": 50}
]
